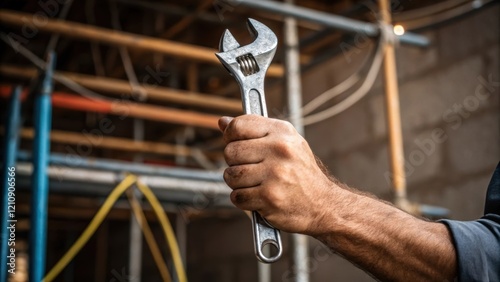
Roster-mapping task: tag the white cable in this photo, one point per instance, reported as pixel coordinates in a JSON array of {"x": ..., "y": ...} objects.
[
  {"x": 331, "y": 93},
  {"x": 358, "y": 94},
  {"x": 55, "y": 37},
  {"x": 14, "y": 44},
  {"x": 41, "y": 64},
  {"x": 336, "y": 90},
  {"x": 127, "y": 62}
]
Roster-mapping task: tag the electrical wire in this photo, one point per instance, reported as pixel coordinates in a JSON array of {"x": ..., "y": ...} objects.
[
  {"x": 331, "y": 93},
  {"x": 127, "y": 62},
  {"x": 337, "y": 89},
  {"x": 91, "y": 228},
  {"x": 51, "y": 46},
  {"x": 167, "y": 229},
  {"x": 424, "y": 19},
  {"x": 101, "y": 214},
  {"x": 148, "y": 235},
  {"x": 429, "y": 10},
  {"x": 85, "y": 92},
  {"x": 359, "y": 93},
  {"x": 443, "y": 16},
  {"x": 41, "y": 64}
]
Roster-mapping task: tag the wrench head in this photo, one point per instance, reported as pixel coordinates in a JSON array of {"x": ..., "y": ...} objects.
[
  {"x": 228, "y": 42},
  {"x": 254, "y": 58}
]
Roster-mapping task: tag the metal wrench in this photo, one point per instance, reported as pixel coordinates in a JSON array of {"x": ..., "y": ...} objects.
[{"x": 248, "y": 64}]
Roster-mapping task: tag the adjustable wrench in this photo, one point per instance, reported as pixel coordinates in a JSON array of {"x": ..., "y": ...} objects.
[{"x": 248, "y": 64}]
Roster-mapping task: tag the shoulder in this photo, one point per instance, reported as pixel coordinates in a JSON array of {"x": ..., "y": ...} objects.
[{"x": 477, "y": 244}]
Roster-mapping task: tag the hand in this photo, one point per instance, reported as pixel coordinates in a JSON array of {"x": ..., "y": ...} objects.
[{"x": 273, "y": 171}]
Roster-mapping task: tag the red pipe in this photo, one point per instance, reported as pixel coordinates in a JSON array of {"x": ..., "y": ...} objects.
[
  {"x": 65, "y": 100},
  {"x": 72, "y": 102},
  {"x": 6, "y": 90},
  {"x": 150, "y": 112}
]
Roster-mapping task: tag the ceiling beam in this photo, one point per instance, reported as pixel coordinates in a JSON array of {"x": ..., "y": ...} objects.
[
  {"x": 125, "y": 109},
  {"x": 120, "y": 38},
  {"x": 120, "y": 144},
  {"x": 120, "y": 87}
]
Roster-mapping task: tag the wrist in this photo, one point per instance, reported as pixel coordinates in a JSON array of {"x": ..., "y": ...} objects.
[{"x": 333, "y": 201}]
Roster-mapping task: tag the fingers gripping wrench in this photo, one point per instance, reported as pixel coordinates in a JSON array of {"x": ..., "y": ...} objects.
[{"x": 248, "y": 64}]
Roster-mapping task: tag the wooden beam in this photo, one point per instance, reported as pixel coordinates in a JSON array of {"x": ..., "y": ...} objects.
[
  {"x": 125, "y": 109},
  {"x": 119, "y": 38},
  {"x": 120, "y": 87},
  {"x": 120, "y": 144}
]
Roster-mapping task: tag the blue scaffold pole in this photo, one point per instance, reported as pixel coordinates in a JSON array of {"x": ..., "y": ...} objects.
[
  {"x": 9, "y": 155},
  {"x": 39, "y": 181}
]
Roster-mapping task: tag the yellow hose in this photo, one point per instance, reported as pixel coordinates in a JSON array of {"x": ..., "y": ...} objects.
[
  {"x": 148, "y": 235},
  {"x": 101, "y": 214},
  {"x": 167, "y": 229},
  {"x": 90, "y": 230}
]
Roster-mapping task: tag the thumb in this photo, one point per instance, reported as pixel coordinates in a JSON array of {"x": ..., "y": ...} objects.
[{"x": 223, "y": 122}]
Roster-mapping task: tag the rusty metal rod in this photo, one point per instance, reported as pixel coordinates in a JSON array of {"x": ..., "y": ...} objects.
[{"x": 396, "y": 152}]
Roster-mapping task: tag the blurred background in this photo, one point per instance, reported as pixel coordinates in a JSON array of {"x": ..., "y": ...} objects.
[{"x": 96, "y": 93}]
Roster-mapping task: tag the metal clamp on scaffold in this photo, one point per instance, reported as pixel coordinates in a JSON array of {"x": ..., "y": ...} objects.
[{"x": 248, "y": 64}]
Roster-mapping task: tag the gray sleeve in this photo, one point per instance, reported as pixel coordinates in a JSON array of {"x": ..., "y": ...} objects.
[{"x": 477, "y": 244}]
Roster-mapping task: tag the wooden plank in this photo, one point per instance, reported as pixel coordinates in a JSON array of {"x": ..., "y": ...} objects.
[
  {"x": 120, "y": 38},
  {"x": 128, "y": 109},
  {"x": 115, "y": 143},
  {"x": 120, "y": 87}
]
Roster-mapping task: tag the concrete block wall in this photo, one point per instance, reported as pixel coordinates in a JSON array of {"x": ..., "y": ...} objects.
[
  {"x": 451, "y": 138},
  {"x": 451, "y": 129}
]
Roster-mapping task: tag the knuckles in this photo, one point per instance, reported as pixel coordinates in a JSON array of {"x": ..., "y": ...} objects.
[
  {"x": 287, "y": 127},
  {"x": 284, "y": 148},
  {"x": 228, "y": 154},
  {"x": 287, "y": 140},
  {"x": 273, "y": 196},
  {"x": 238, "y": 198},
  {"x": 232, "y": 175},
  {"x": 231, "y": 152},
  {"x": 232, "y": 130}
]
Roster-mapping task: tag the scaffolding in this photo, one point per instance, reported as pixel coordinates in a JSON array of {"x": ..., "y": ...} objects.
[{"x": 182, "y": 183}]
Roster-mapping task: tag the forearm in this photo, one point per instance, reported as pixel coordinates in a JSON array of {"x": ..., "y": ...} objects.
[
  {"x": 273, "y": 171},
  {"x": 385, "y": 241}
]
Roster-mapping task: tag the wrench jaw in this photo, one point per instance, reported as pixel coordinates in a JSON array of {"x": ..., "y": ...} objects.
[
  {"x": 228, "y": 42},
  {"x": 261, "y": 52}
]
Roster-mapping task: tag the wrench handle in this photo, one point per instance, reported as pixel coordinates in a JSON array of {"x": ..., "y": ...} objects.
[{"x": 263, "y": 232}]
